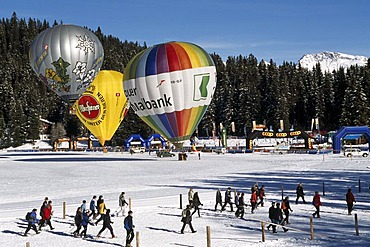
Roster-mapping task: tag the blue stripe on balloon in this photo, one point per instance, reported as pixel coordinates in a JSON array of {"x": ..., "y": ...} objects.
[
  {"x": 166, "y": 123},
  {"x": 151, "y": 62},
  {"x": 140, "y": 68}
]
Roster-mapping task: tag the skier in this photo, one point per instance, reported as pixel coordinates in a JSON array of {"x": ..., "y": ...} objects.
[
  {"x": 190, "y": 196},
  {"x": 350, "y": 199},
  {"x": 300, "y": 193},
  {"x": 106, "y": 224},
  {"x": 196, "y": 203},
  {"x": 261, "y": 195},
  {"x": 285, "y": 206},
  {"x": 186, "y": 219},
  {"x": 46, "y": 216},
  {"x": 32, "y": 220},
  {"x": 218, "y": 199},
  {"x": 129, "y": 226},
  {"x": 122, "y": 202},
  {"x": 317, "y": 203},
  {"x": 78, "y": 221},
  {"x": 93, "y": 208},
  {"x": 227, "y": 200},
  {"x": 253, "y": 201},
  {"x": 102, "y": 211}
]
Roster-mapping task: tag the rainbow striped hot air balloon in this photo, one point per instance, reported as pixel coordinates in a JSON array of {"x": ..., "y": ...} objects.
[{"x": 170, "y": 86}]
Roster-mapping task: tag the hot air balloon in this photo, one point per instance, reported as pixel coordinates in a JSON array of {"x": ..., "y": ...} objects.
[
  {"x": 66, "y": 58},
  {"x": 103, "y": 106},
  {"x": 169, "y": 86}
]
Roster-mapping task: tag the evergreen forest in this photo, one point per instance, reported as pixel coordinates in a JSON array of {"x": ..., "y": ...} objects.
[{"x": 247, "y": 90}]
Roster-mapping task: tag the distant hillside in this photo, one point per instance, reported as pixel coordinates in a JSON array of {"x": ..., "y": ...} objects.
[{"x": 330, "y": 61}]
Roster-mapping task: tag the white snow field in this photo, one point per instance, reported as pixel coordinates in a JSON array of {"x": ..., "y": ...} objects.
[{"x": 155, "y": 184}]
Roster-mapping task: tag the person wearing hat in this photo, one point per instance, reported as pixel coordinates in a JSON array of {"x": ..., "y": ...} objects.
[
  {"x": 32, "y": 220},
  {"x": 129, "y": 226},
  {"x": 285, "y": 206}
]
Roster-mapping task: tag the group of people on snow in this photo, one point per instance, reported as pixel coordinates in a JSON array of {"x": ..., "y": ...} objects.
[
  {"x": 85, "y": 215},
  {"x": 279, "y": 213}
]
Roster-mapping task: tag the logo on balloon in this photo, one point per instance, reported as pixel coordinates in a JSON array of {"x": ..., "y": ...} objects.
[
  {"x": 200, "y": 86},
  {"x": 89, "y": 107}
]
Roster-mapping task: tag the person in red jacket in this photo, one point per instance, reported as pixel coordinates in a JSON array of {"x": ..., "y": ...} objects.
[
  {"x": 317, "y": 203},
  {"x": 350, "y": 199},
  {"x": 46, "y": 216},
  {"x": 253, "y": 200}
]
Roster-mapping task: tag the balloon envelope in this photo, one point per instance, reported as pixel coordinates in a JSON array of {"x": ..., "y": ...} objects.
[
  {"x": 170, "y": 86},
  {"x": 66, "y": 58},
  {"x": 103, "y": 106}
]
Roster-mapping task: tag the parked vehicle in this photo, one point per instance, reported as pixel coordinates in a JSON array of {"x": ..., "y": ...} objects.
[
  {"x": 165, "y": 153},
  {"x": 137, "y": 150},
  {"x": 219, "y": 150},
  {"x": 349, "y": 152}
]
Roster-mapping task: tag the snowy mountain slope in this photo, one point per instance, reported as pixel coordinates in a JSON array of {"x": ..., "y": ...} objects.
[{"x": 330, "y": 61}]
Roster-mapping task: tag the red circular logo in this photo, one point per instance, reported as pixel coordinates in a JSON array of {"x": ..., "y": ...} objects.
[{"x": 89, "y": 106}]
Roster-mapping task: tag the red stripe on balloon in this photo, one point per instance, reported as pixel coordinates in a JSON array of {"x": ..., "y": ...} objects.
[{"x": 182, "y": 56}]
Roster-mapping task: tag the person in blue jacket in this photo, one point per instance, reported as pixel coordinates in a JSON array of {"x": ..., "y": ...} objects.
[
  {"x": 85, "y": 222},
  {"x": 32, "y": 220}
]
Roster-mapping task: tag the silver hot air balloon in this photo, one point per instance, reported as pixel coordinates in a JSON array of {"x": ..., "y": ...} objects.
[{"x": 66, "y": 58}]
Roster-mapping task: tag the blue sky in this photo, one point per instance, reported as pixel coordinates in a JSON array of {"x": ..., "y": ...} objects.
[{"x": 278, "y": 30}]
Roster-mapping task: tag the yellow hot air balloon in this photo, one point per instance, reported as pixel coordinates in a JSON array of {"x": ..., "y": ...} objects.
[{"x": 103, "y": 106}]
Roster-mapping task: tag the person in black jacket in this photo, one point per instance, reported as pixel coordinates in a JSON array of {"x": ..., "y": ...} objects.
[
  {"x": 129, "y": 226},
  {"x": 278, "y": 217},
  {"x": 106, "y": 224},
  {"x": 227, "y": 200},
  {"x": 300, "y": 193},
  {"x": 78, "y": 221},
  {"x": 272, "y": 217},
  {"x": 196, "y": 203},
  {"x": 186, "y": 219},
  {"x": 218, "y": 199},
  {"x": 241, "y": 204}
]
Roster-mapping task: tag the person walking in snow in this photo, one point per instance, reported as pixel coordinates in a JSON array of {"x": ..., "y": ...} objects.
[
  {"x": 272, "y": 217},
  {"x": 106, "y": 224},
  {"x": 218, "y": 199},
  {"x": 186, "y": 219},
  {"x": 196, "y": 204},
  {"x": 285, "y": 206},
  {"x": 102, "y": 211},
  {"x": 350, "y": 199},
  {"x": 317, "y": 203},
  {"x": 46, "y": 216},
  {"x": 278, "y": 217},
  {"x": 261, "y": 195},
  {"x": 300, "y": 193},
  {"x": 83, "y": 206},
  {"x": 85, "y": 222},
  {"x": 191, "y": 196},
  {"x": 241, "y": 205},
  {"x": 129, "y": 226},
  {"x": 253, "y": 201},
  {"x": 32, "y": 220},
  {"x": 228, "y": 200},
  {"x": 122, "y": 203},
  {"x": 78, "y": 222},
  {"x": 93, "y": 207},
  {"x": 236, "y": 202}
]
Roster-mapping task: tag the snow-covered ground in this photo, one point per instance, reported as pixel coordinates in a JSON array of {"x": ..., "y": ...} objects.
[{"x": 155, "y": 184}]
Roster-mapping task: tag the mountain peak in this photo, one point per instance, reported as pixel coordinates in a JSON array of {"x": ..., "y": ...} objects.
[{"x": 330, "y": 61}]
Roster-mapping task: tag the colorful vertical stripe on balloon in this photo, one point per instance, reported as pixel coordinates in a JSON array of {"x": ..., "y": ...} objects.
[{"x": 179, "y": 56}]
